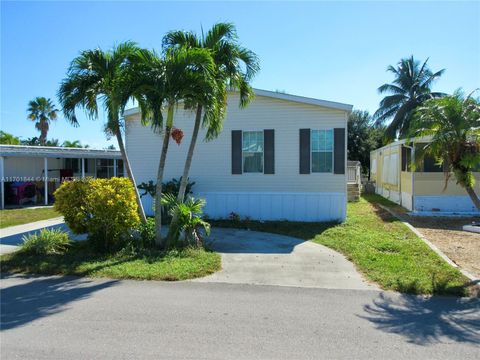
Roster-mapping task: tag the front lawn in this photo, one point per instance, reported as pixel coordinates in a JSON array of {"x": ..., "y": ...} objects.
[
  {"x": 81, "y": 260},
  {"x": 11, "y": 217},
  {"x": 380, "y": 246}
]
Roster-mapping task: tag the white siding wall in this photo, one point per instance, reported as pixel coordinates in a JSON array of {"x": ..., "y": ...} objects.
[{"x": 211, "y": 167}]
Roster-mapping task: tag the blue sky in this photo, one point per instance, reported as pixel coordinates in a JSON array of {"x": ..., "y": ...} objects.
[{"x": 330, "y": 50}]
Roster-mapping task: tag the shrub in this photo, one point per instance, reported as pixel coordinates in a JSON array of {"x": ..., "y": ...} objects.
[
  {"x": 46, "y": 242},
  {"x": 169, "y": 187},
  {"x": 105, "y": 209},
  {"x": 146, "y": 234},
  {"x": 188, "y": 222},
  {"x": 233, "y": 216}
]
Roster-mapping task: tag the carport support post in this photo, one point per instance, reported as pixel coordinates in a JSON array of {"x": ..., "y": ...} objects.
[
  {"x": 83, "y": 168},
  {"x": 45, "y": 178},
  {"x": 2, "y": 186},
  {"x": 114, "y": 167}
]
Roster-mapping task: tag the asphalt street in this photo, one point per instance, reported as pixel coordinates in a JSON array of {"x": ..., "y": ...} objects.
[{"x": 73, "y": 318}]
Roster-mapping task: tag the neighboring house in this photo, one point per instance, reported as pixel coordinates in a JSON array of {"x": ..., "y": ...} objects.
[
  {"x": 422, "y": 190},
  {"x": 30, "y": 174},
  {"x": 282, "y": 157}
]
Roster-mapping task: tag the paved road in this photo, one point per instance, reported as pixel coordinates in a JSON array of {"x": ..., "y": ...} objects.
[{"x": 70, "y": 318}]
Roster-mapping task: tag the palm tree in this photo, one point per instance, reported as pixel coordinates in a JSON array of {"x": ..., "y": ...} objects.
[
  {"x": 235, "y": 67},
  {"x": 72, "y": 144},
  {"x": 453, "y": 123},
  {"x": 98, "y": 75},
  {"x": 181, "y": 75},
  {"x": 8, "y": 139},
  {"x": 410, "y": 88},
  {"x": 42, "y": 111}
]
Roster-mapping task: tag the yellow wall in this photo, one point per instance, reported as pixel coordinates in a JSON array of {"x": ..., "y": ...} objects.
[
  {"x": 433, "y": 184},
  {"x": 379, "y": 154},
  {"x": 406, "y": 182}
]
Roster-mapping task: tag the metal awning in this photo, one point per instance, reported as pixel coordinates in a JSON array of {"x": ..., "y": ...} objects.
[{"x": 57, "y": 152}]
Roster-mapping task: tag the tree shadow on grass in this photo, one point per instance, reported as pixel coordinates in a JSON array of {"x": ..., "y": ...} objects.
[
  {"x": 35, "y": 298},
  {"x": 425, "y": 321}
]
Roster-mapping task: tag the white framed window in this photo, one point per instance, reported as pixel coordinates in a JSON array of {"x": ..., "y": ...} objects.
[
  {"x": 252, "y": 151},
  {"x": 321, "y": 143}
]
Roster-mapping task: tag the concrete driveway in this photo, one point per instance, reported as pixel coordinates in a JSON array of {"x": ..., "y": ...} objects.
[{"x": 250, "y": 257}]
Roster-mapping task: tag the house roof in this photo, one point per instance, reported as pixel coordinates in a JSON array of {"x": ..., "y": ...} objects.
[
  {"x": 57, "y": 152},
  {"x": 288, "y": 97}
]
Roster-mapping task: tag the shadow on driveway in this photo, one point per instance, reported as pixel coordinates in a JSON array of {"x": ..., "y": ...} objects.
[
  {"x": 41, "y": 297},
  {"x": 424, "y": 321},
  {"x": 239, "y": 241}
]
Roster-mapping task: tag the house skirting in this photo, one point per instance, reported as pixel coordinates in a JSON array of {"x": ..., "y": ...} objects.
[
  {"x": 444, "y": 203},
  {"x": 271, "y": 205}
]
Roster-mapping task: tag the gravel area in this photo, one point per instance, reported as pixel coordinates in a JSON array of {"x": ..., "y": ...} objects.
[{"x": 462, "y": 247}]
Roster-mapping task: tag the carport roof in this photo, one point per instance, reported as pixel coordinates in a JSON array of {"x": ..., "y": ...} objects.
[{"x": 57, "y": 152}]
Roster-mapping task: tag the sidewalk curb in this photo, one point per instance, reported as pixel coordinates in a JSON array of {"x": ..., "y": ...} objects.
[{"x": 472, "y": 278}]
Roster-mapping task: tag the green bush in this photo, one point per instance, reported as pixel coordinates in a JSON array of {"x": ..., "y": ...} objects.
[
  {"x": 105, "y": 209},
  {"x": 146, "y": 234},
  {"x": 188, "y": 221},
  {"x": 46, "y": 242}
]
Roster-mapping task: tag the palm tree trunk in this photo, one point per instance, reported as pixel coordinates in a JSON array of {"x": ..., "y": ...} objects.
[
  {"x": 43, "y": 136},
  {"x": 126, "y": 161},
  {"x": 161, "y": 167},
  {"x": 473, "y": 196},
  {"x": 188, "y": 162}
]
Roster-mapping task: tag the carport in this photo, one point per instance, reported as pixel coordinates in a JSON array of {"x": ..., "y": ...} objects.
[{"x": 39, "y": 170}]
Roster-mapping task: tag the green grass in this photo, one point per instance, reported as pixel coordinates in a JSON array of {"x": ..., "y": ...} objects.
[
  {"x": 380, "y": 246},
  {"x": 13, "y": 217},
  {"x": 81, "y": 260}
]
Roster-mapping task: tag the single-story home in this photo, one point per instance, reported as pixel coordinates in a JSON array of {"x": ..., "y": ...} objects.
[
  {"x": 282, "y": 157},
  {"x": 422, "y": 190},
  {"x": 30, "y": 174}
]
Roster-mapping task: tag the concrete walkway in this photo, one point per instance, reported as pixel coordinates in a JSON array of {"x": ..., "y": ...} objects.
[
  {"x": 250, "y": 257},
  {"x": 11, "y": 237}
]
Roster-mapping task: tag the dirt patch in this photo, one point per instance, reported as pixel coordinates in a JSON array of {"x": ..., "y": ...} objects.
[{"x": 462, "y": 247}]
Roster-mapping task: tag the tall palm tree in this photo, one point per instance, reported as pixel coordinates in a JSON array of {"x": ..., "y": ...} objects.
[
  {"x": 235, "y": 67},
  {"x": 410, "y": 88},
  {"x": 42, "y": 111},
  {"x": 181, "y": 75},
  {"x": 453, "y": 123},
  {"x": 94, "y": 76},
  {"x": 72, "y": 144}
]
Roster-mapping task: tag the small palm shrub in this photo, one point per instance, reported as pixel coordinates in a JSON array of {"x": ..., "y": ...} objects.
[
  {"x": 187, "y": 228},
  {"x": 46, "y": 242},
  {"x": 105, "y": 209}
]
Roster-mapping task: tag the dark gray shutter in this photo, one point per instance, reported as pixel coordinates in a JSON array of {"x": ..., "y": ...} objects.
[
  {"x": 269, "y": 151},
  {"x": 304, "y": 151},
  {"x": 339, "y": 151},
  {"x": 236, "y": 151}
]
